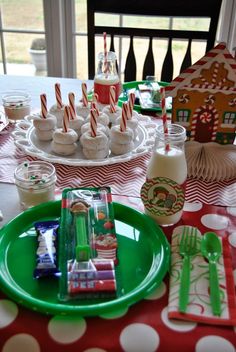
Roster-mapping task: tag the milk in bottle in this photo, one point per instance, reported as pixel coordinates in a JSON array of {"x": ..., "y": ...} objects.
[{"x": 164, "y": 190}]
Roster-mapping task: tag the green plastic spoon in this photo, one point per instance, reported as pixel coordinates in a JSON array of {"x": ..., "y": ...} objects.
[{"x": 211, "y": 249}]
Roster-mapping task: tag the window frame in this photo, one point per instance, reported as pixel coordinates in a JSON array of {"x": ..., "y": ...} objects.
[{"x": 60, "y": 33}]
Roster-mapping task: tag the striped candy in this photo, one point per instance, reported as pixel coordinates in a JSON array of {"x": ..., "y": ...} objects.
[
  {"x": 112, "y": 97},
  {"x": 44, "y": 110},
  {"x": 66, "y": 118},
  {"x": 124, "y": 117},
  {"x": 58, "y": 95},
  {"x": 93, "y": 122},
  {"x": 95, "y": 106},
  {"x": 131, "y": 105},
  {"x": 84, "y": 94},
  {"x": 71, "y": 98}
]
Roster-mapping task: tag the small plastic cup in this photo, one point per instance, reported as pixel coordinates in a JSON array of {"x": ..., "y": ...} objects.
[
  {"x": 35, "y": 181},
  {"x": 16, "y": 104}
]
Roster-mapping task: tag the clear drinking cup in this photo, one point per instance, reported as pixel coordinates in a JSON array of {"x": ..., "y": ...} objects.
[
  {"x": 16, "y": 104},
  {"x": 35, "y": 181}
]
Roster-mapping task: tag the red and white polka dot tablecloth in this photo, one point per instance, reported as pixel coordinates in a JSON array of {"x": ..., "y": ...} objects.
[{"x": 143, "y": 327}]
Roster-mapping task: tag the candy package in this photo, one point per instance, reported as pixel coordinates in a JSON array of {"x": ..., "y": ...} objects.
[
  {"x": 46, "y": 254},
  {"x": 88, "y": 244}
]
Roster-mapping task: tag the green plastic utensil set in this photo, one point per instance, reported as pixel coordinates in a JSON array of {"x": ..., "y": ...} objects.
[{"x": 211, "y": 249}]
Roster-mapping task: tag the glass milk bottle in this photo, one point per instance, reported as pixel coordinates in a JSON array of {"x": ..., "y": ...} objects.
[
  {"x": 163, "y": 192},
  {"x": 106, "y": 77}
]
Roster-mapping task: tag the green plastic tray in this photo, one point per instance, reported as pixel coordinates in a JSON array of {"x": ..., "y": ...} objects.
[
  {"x": 144, "y": 255},
  {"x": 133, "y": 85}
]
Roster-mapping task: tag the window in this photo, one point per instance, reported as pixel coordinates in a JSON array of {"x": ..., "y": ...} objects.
[
  {"x": 17, "y": 31},
  {"x": 64, "y": 23},
  {"x": 229, "y": 118},
  {"x": 183, "y": 115}
]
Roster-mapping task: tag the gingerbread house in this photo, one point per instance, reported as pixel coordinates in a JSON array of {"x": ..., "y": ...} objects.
[{"x": 204, "y": 98}]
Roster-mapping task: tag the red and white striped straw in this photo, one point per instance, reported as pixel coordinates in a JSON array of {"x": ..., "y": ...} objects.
[
  {"x": 71, "y": 98},
  {"x": 131, "y": 105},
  {"x": 164, "y": 116},
  {"x": 58, "y": 95},
  {"x": 66, "y": 118},
  {"x": 105, "y": 51},
  {"x": 44, "y": 110},
  {"x": 112, "y": 97},
  {"x": 93, "y": 122},
  {"x": 84, "y": 94},
  {"x": 124, "y": 117}
]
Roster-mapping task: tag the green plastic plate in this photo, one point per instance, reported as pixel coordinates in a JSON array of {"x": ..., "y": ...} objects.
[{"x": 144, "y": 255}]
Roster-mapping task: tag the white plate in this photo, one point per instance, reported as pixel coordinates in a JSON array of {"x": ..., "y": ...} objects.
[{"x": 26, "y": 140}]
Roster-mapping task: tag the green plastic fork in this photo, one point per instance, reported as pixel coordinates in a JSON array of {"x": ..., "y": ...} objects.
[{"x": 187, "y": 248}]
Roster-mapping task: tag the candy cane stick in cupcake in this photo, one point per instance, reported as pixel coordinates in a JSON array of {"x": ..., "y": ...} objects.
[
  {"x": 64, "y": 138},
  {"x": 113, "y": 111},
  {"x": 122, "y": 135},
  {"x": 58, "y": 108},
  {"x": 75, "y": 121},
  {"x": 94, "y": 142},
  {"x": 82, "y": 109},
  {"x": 44, "y": 122}
]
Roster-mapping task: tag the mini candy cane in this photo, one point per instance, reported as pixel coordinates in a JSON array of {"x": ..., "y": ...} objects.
[
  {"x": 84, "y": 94},
  {"x": 164, "y": 116},
  {"x": 71, "y": 98},
  {"x": 58, "y": 95},
  {"x": 124, "y": 117},
  {"x": 66, "y": 119},
  {"x": 95, "y": 106},
  {"x": 112, "y": 97},
  {"x": 44, "y": 110},
  {"x": 95, "y": 97},
  {"x": 93, "y": 122},
  {"x": 131, "y": 105}
]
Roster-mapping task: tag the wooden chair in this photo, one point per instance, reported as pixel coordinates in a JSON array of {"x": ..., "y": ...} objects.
[{"x": 164, "y": 8}]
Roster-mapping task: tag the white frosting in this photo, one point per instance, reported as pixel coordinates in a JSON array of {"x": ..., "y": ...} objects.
[
  {"x": 65, "y": 138},
  {"x": 103, "y": 119},
  {"x": 44, "y": 135},
  {"x": 119, "y": 149},
  {"x": 44, "y": 124},
  {"x": 100, "y": 127},
  {"x": 76, "y": 124},
  {"x": 112, "y": 115},
  {"x": 121, "y": 137},
  {"x": 95, "y": 143},
  {"x": 82, "y": 110},
  {"x": 59, "y": 113},
  {"x": 63, "y": 149},
  {"x": 132, "y": 124},
  {"x": 96, "y": 154}
]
